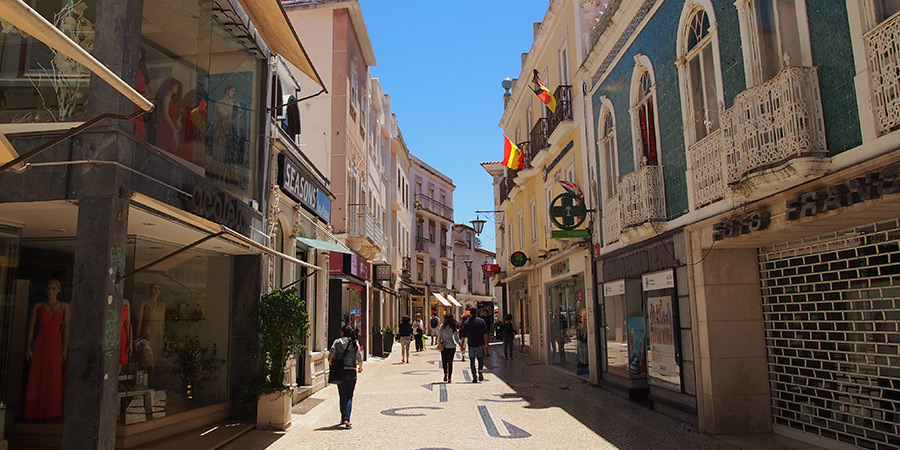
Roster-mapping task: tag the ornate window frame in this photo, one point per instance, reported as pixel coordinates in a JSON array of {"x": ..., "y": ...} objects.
[
  {"x": 608, "y": 151},
  {"x": 644, "y": 98},
  {"x": 750, "y": 41},
  {"x": 692, "y": 7}
]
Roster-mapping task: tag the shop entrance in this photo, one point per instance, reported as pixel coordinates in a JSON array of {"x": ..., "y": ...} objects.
[{"x": 567, "y": 323}]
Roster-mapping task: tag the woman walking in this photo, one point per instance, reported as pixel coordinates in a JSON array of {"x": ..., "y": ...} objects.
[
  {"x": 346, "y": 347},
  {"x": 419, "y": 330},
  {"x": 448, "y": 339},
  {"x": 404, "y": 333}
]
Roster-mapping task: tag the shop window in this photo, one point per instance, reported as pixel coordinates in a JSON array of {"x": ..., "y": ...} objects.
[
  {"x": 203, "y": 81},
  {"x": 567, "y": 323},
  {"x": 885, "y": 9},
  {"x": 697, "y": 69},
  {"x": 39, "y": 84}
]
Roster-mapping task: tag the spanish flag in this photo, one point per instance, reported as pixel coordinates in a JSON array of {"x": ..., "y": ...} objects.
[
  {"x": 512, "y": 156},
  {"x": 543, "y": 93}
]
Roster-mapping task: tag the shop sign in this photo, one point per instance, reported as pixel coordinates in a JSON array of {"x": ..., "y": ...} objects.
[
  {"x": 302, "y": 189},
  {"x": 566, "y": 234},
  {"x": 383, "y": 272},
  {"x": 559, "y": 268},
  {"x": 614, "y": 288},
  {"x": 518, "y": 259},
  {"x": 567, "y": 211},
  {"x": 221, "y": 208},
  {"x": 855, "y": 190},
  {"x": 658, "y": 280},
  {"x": 731, "y": 228},
  {"x": 353, "y": 264}
]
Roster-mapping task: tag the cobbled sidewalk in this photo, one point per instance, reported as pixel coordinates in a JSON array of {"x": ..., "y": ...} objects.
[{"x": 520, "y": 405}]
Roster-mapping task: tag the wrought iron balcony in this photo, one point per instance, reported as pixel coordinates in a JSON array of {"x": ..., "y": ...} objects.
[
  {"x": 540, "y": 134},
  {"x": 360, "y": 223},
  {"x": 507, "y": 184},
  {"x": 612, "y": 220},
  {"x": 774, "y": 122},
  {"x": 446, "y": 251},
  {"x": 883, "y": 51},
  {"x": 707, "y": 163},
  {"x": 643, "y": 197},
  {"x": 528, "y": 151},
  {"x": 563, "y": 112},
  {"x": 422, "y": 243},
  {"x": 426, "y": 203}
]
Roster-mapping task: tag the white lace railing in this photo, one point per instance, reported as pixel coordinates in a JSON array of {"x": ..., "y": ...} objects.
[
  {"x": 773, "y": 122},
  {"x": 707, "y": 164},
  {"x": 361, "y": 224},
  {"x": 883, "y": 50},
  {"x": 612, "y": 220},
  {"x": 642, "y": 195}
]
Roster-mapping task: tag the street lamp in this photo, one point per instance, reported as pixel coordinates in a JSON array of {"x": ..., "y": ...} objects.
[
  {"x": 478, "y": 224},
  {"x": 468, "y": 264}
]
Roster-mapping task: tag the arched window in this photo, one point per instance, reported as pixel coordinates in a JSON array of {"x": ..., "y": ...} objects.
[
  {"x": 774, "y": 33},
  {"x": 609, "y": 154},
  {"x": 698, "y": 66},
  {"x": 643, "y": 113}
]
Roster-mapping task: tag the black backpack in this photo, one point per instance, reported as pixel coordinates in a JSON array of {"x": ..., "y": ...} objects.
[{"x": 434, "y": 321}]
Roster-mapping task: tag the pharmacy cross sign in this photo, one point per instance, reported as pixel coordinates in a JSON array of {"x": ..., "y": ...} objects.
[{"x": 567, "y": 211}]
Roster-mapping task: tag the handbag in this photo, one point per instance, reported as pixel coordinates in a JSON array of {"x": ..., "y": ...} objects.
[
  {"x": 440, "y": 344},
  {"x": 336, "y": 369}
]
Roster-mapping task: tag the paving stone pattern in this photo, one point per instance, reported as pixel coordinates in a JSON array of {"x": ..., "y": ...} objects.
[{"x": 520, "y": 405}]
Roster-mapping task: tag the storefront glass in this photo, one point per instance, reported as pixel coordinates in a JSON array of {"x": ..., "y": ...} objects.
[
  {"x": 9, "y": 261},
  {"x": 40, "y": 84},
  {"x": 623, "y": 320},
  {"x": 518, "y": 305},
  {"x": 567, "y": 322},
  {"x": 205, "y": 86}
]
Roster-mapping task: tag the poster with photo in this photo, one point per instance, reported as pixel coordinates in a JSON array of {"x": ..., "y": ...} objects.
[
  {"x": 228, "y": 128},
  {"x": 662, "y": 365},
  {"x": 637, "y": 363}
]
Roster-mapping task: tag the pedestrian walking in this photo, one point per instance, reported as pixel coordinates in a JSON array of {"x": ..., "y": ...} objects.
[
  {"x": 508, "y": 333},
  {"x": 475, "y": 333},
  {"x": 462, "y": 348},
  {"x": 448, "y": 339},
  {"x": 435, "y": 322},
  {"x": 404, "y": 334},
  {"x": 346, "y": 347},
  {"x": 419, "y": 330}
]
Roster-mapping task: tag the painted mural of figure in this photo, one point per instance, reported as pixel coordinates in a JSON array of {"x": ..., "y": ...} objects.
[{"x": 48, "y": 330}]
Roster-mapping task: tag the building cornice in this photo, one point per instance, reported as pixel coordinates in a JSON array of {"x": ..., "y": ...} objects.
[{"x": 356, "y": 17}]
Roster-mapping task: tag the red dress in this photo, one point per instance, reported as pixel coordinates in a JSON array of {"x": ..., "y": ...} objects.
[
  {"x": 123, "y": 345},
  {"x": 44, "y": 394}
]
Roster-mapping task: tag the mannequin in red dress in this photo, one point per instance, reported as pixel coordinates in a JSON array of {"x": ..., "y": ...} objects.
[
  {"x": 44, "y": 394},
  {"x": 143, "y": 88},
  {"x": 168, "y": 97},
  {"x": 125, "y": 343}
]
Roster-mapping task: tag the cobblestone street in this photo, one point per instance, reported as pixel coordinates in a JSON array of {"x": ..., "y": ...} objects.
[{"x": 520, "y": 404}]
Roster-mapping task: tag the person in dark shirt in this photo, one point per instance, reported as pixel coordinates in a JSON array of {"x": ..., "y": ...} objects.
[{"x": 475, "y": 333}]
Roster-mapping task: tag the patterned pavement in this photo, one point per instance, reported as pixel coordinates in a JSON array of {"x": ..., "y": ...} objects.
[{"x": 520, "y": 404}]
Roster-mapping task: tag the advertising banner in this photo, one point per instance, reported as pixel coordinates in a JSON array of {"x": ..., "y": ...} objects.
[
  {"x": 637, "y": 364},
  {"x": 662, "y": 365}
]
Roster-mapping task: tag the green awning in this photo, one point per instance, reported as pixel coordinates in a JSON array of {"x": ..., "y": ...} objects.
[{"x": 325, "y": 245}]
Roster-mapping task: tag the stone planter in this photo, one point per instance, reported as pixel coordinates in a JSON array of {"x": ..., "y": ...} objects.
[
  {"x": 377, "y": 345},
  {"x": 388, "y": 342},
  {"x": 273, "y": 411}
]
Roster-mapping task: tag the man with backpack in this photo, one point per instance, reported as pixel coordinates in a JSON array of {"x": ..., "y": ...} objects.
[{"x": 434, "y": 322}]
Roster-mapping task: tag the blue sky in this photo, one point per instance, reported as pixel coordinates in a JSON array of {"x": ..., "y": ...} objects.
[{"x": 442, "y": 64}]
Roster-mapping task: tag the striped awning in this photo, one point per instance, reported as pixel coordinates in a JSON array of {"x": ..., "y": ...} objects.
[
  {"x": 441, "y": 299},
  {"x": 453, "y": 300}
]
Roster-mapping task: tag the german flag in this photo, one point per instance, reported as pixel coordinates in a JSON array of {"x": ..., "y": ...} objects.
[
  {"x": 543, "y": 93},
  {"x": 512, "y": 156}
]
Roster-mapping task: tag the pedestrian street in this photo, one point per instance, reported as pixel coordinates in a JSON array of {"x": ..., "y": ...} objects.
[{"x": 520, "y": 404}]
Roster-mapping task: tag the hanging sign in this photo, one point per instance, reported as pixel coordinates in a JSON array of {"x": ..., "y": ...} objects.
[
  {"x": 518, "y": 259},
  {"x": 567, "y": 211}
]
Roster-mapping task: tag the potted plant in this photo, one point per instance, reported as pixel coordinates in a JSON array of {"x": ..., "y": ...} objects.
[
  {"x": 388, "y": 336},
  {"x": 194, "y": 364},
  {"x": 283, "y": 331},
  {"x": 377, "y": 342}
]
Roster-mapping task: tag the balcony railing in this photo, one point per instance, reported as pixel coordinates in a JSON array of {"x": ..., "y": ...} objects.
[
  {"x": 540, "y": 134},
  {"x": 528, "y": 151},
  {"x": 708, "y": 172},
  {"x": 773, "y": 122},
  {"x": 612, "y": 220},
  {"x": 507, "y": 184},
  {"x": 883, "y": 51},
  {"x": 446, "y": 251},
  {"x": 563, "y": 112},
  {"x": 422, "y": 244},
  {"x": 642, "y": 194},
  {"x": 362, "y": 224},
  {"x": 433, "y": 206}
]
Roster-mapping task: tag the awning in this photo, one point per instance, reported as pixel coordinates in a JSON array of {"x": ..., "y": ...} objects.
[
  {"x": 213, "y": 228},
  {"x": 411, "y": 288},
  {"x": 325, "y": 245},
  {"x": 273, "y": 24},
  {"x": 385, "y": 289},
  {"x": 453, "y": 300},
  {"x": 441, "y": 299}
]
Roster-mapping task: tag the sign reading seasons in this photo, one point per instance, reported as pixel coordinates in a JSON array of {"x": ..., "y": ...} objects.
[
  {"x": 855, "y": 190},
  {"x": 302, "y": 189}
]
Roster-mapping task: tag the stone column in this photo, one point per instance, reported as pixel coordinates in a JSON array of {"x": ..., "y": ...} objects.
[{"x": 733, "y": 394}]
